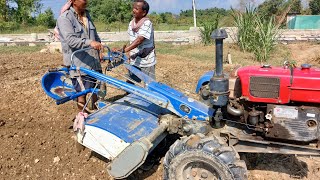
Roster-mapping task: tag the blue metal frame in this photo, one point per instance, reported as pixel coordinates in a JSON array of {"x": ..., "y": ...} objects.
[
  {"x": 155, "y": 92},
  {"x": 204, "y": 79},
  {"x": 159, "y": 94}
]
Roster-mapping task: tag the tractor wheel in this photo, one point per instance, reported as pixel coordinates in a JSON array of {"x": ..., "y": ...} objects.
[{"x": 196, "y": 157}]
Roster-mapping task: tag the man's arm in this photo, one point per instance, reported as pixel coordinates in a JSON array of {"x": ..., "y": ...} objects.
[
  {"x": 134, "y": 44},
  {"x": 67, "y": 32}
]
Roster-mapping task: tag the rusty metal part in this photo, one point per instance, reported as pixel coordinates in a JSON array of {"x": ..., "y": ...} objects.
[
  {"x": 234, "y": 108},
  {"x": 254, "y": 143}
]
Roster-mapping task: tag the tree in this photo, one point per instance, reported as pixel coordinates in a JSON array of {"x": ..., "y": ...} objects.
[
  {"x": 25, "y": 9},
  {"x": 314, "y": 6},
  {"x": 110, "y": 10},
  {"x": 4, "y": 10},
  {"x": 46, "y": 19},
  {"x": 271, "y": 7},
  {"x": 296, "y": 6}
]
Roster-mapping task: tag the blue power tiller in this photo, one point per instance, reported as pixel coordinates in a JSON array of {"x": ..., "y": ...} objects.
[{"x": 212, "y": 131}]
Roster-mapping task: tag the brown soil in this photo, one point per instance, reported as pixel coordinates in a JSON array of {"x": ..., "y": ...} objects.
[{"x": 36, "y": 141}]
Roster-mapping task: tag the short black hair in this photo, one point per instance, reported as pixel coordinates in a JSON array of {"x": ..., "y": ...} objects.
[{"x": 145, "y": 6}]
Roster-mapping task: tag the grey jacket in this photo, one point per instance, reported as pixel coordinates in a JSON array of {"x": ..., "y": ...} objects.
[{"x": 73, "y": 37}]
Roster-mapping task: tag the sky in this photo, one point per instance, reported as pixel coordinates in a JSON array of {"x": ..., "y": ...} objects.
[{"x": 174, "y": 6}]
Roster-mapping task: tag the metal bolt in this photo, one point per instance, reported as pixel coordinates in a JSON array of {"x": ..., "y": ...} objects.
[{"x": 204, "y": 175}]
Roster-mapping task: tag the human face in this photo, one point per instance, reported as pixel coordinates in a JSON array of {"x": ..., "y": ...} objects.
[
  {"x": 79, "y": 5},
  {"x": 137, "y": 11}
]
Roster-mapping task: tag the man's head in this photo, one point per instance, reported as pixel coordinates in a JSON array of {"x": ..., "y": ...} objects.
[
  {"x": 140, "y": 8},
  {"x": 79, "y": 5}
]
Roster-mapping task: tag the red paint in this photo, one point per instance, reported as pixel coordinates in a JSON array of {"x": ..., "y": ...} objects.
[{"x": 302, "y": 85}]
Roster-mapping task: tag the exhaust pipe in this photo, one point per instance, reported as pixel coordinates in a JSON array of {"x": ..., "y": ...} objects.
[
  {"x": 219, "y": 35},
  {"x": 219, "y": 83}
]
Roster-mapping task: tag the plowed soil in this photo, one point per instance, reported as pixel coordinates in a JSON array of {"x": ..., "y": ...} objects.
[{"x": 36, "y": 139}]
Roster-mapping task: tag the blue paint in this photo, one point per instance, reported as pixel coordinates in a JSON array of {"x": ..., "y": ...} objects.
[
  {"x": 128, "y": 121},
  {"x": 198, "y": 110},
  {"x": 204, "y": 79},
  {"x": 155, "y": 92},
  {"x": 55, "y": 87},
  {"x": 143, "y": 93},
  {"x": 52, "y": 81},
  {"x": 145, "y": 78}
]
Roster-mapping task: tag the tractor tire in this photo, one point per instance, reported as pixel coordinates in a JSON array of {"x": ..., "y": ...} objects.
[{"x": 199, "y": 157}]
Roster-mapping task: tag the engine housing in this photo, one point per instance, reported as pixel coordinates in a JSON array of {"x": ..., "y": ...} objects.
[
  {"x": 293, "y": 123},
  {"x": 280, "y": 85}
]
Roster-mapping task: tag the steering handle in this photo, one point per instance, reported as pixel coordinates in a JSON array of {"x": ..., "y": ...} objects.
[{"x": 85, "y": 49}]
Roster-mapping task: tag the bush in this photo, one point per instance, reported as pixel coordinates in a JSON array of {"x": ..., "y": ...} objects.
[
  {"x": 8, "y": 26},
  {"x": 46, "y": 19},
  {"x": 207, "y": 28},
  {"x": 256, "y": 34}
]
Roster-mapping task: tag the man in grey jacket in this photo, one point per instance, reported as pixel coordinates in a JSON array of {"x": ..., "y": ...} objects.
[{"x": 77, "y": 31}]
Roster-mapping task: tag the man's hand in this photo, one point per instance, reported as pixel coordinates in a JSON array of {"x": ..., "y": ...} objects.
[{"x": 96, "y": 45}]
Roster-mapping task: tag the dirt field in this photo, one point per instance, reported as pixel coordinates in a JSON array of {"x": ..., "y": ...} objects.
[{"x": 36, "y": 139}]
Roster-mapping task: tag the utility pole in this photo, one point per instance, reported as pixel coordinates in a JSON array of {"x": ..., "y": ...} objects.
[{"x": 194, "y": 13}]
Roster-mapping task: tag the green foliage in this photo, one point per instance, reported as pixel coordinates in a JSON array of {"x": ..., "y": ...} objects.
[
  {"x": 207, "y": 28},
  {"x": 314, "y": 6},
  {"x": 3, "y": 10},
  {"x": 271, "y": 7},
  {"x": 46, "y": 19},
  {"x": 24, "y": 16},
  {"x": 110, "y": 10},
  {"x": 296, "y": 6},
  {"x": 8, "y": 26},
  {"x": 155, "y": 18},
  {"x": 256, "y": 34},
  {"x": 20, "y": 49},
  {"x": 205, "y": 12},
  {"x": 23, "y": 13}
]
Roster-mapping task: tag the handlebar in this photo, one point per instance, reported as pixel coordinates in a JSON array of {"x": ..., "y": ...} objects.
[{"x": 111, "y": 55}]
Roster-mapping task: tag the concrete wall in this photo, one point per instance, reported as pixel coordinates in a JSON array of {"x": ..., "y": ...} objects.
[{"x": 175, "y": 37}]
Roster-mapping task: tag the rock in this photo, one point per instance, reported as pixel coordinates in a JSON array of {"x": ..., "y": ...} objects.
[
  {"x": 2, "y": 123},
  {"x": 44, "y": 51},
  {"x": 36, "y": 161},
  {"x": 55, "y": 47},
  {"x": 56, "y": 159}
]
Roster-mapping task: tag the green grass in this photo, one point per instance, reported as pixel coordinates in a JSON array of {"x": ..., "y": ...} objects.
[
  {"x": 199, "y": 52},
  {"x": 116, "y": 26},
  {"x": 27, "y": 30},
  {"x": 191, "y": 52},
  {"x": 101, "y": 27},
  {"x": 20, "y": 49}
]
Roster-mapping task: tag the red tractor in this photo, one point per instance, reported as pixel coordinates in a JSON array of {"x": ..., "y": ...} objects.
[{"x": 278, "y": 107}]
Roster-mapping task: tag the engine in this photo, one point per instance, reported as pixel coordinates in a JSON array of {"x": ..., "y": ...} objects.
[{"x": 281, "y": 102}]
